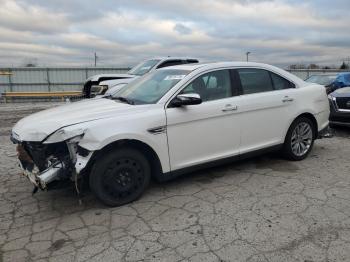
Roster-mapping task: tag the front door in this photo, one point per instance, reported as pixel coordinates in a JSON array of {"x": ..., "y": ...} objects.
[{"x": 208, "y": 131}]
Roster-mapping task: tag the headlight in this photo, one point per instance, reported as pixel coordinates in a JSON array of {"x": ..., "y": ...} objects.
[
  {"x": 64, "y": 134},
  {"x": 330, "y": 97},
  {"x": 98, "y": 89}
]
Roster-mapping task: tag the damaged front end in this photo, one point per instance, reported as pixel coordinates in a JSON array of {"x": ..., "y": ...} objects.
[{"x": 49, "y": 161}]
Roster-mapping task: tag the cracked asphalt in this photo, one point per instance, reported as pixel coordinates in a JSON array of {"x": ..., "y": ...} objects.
[{"x": 261, "y": 209}]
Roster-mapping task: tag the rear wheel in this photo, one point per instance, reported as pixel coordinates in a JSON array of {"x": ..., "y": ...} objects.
[
  {"x": 120, "y": 176},
  {"x": 299, "y": 139}
]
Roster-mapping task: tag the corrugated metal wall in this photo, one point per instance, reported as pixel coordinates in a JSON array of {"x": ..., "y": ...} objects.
[
  {"x": 69, "y": 79},
  {"x": 49, "y": 79}
]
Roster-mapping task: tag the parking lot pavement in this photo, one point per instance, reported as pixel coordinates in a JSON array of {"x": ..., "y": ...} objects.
[{"x": 262, "y": 209}]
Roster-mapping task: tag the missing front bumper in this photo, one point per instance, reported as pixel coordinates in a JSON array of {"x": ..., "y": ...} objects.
[
  {"x": 42, "y": 179},
  {"x": 31, "y": 171}
]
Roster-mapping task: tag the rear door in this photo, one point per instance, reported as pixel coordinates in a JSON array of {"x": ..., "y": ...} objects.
[{"x": 266, "y": 108}]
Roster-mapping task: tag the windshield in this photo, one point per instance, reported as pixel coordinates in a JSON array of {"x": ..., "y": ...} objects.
[
  {"x": 151, "y": 87},
  {"x": 322, "y": 79},
  {"x": 143, "y": 67}
]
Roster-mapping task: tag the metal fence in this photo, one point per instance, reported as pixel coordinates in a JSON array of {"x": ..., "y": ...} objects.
[
  {"x": 305, "y": 73},
  {"x": 41, "y": 79}
]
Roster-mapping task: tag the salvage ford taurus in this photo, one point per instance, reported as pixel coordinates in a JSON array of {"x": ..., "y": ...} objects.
[{"x": 171, "y": 121}]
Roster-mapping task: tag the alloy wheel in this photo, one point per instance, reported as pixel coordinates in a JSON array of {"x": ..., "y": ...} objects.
[{"x": 301, "y": 139}]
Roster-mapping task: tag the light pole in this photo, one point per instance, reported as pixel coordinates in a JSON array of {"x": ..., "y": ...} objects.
[
  {"x": 95, "y": 57},
  {"x": 247, "y": 54}
]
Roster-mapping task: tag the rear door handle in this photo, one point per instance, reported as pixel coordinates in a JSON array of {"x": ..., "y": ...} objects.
[
  {"x": 287, "y": 99},
  {"x": 229, "y": 108}
]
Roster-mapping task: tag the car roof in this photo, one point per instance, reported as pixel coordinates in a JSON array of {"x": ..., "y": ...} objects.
[
  {"x": 217, "y": 65},
  {"x": 172, "y": 58},
  {"x": 213, "y": 65}
]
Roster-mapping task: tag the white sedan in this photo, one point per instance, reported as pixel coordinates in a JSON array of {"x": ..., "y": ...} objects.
[{"x": 169, "y": 122}]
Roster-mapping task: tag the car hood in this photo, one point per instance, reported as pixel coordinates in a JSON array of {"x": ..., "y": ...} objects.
[
  {"x": 341, "y": 92},
  {"x": 38, "y": 126},
  {"x": 111, "y": 83},
  {"x": 108, "y": 76}
]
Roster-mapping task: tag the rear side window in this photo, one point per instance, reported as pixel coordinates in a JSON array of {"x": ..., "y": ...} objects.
[
  {"x": 280, "y": 83},
  {"x": 255, "y": 80}
]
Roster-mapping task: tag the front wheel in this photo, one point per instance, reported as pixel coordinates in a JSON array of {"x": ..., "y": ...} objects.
[
  {"x": 120, "y": 176},
  {"x": 299, "y": 139}
]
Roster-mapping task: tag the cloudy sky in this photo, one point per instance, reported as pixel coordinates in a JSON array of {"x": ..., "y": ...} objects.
[{"x": 123, "y": 32}]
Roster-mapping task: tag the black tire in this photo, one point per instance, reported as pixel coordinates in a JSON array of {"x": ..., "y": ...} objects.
[
  {"x": 288, "y": 151},
  {"x": 120, "y": 176}
]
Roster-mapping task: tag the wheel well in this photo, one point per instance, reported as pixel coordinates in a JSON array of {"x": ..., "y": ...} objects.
[
  {"x": 313, "y": 119},
  {"x": 149, "y": 153}
]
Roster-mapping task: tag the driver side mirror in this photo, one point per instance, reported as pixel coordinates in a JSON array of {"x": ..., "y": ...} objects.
[{"x": 186, "y": 100}]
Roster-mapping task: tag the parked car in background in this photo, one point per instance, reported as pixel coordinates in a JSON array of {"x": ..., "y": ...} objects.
[
  {"x": 115, "y": 86},
  {"x": 331, "y": 81},
  {"x": 169, "y": 122},
  {"x": 339, "y": 101},
  {"x": 99, "y": 84}
]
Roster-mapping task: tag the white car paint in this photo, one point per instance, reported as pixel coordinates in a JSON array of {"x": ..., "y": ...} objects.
[{"x": 193, "y": 134}]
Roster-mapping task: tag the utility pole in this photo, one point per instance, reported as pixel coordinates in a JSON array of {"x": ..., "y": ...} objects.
[
  {"x": 247, "y": 54},
  {"x": 95, "y": 56}
]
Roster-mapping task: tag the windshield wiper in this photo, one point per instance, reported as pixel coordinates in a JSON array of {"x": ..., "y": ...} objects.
[{"x": 124, "y": 99}]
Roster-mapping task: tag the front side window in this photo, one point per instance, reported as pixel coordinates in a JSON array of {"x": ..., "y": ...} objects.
[
  {"x": 255, "y": 80},
  {"x": 143, "y": 67},
  {"x": 211, "y": 86},
  {"x": 150, "y": 88}
]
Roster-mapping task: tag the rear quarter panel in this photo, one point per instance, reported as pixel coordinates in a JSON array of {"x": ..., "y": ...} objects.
[{"x": 312, "y": 98}]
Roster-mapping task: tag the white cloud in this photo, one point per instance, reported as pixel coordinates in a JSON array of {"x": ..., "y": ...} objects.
[
  {"x": 124, "y": 32},
  {"x": 30, "y": 18}
]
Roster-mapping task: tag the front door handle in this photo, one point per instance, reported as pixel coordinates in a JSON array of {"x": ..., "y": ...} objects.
[
  {"x": 287, "y": 99},
  {"x": 229, "y": 108}
]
